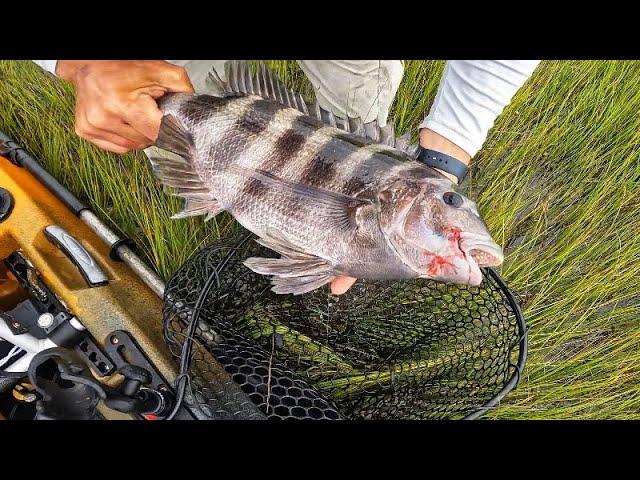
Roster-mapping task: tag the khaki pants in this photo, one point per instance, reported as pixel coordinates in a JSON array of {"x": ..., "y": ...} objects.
[{"x": 353, "y": 88}]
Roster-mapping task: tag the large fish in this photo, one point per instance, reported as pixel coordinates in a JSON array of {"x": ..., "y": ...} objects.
[{"x": 328, "y": 201}]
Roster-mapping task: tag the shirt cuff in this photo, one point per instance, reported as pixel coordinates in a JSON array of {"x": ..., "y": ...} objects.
[
  {"x": 48, "y": 65},
  {"x": 451, "y": 134},
  {"x": 471, "y": 95}
]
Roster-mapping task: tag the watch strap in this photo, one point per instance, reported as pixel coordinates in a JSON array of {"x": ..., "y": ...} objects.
[{"x": 443, "y": 162}]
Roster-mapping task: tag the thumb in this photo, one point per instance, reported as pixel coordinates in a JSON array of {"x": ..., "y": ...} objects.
[{"x": 173, "y": 78}]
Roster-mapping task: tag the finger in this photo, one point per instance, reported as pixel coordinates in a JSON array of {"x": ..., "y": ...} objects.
[
  {"x": 105, "y": 145},
  {"x": 113, "y": 128},
  {"x": 130, "y": 133},
  {"x": 173, "y": 78},
  {"x": 341, "y": 284},
  {"x": 125, "y": 136},
  {"x": 144, "y": 116},
  {"x": 86, "y": 128}
]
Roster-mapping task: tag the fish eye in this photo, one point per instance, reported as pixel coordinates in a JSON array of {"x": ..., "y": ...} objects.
[{"x": 452, "y": 198}]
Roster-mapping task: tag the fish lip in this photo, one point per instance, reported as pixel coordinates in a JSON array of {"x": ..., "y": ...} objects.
[
  {"x": 469, "y": 242},
  {"x": 475, "y": 274}
]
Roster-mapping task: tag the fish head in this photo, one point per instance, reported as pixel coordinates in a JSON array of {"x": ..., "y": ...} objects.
[{"x": 437, "y": 231}]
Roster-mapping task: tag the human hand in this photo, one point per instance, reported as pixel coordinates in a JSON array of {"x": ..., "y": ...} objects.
[
  {"x": 115, "y": 102},
  {"x": 341, "y": 284}
]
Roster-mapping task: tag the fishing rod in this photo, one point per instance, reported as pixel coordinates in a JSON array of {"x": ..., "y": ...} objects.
[{"x": 120, "y": 248}]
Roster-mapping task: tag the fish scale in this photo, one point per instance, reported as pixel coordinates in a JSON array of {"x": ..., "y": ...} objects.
[{"x": 330, "y": 202}]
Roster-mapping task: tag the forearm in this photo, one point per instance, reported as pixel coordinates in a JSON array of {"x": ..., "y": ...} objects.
[
  {"x": 472, "y": 93},
  {"x": 65, "y": 69}
]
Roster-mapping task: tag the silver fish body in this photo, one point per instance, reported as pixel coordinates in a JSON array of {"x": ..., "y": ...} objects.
[{"x": 330, "y": 202}]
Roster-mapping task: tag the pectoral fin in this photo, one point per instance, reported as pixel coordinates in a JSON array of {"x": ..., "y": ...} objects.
[{"x": 334, "y": 208}]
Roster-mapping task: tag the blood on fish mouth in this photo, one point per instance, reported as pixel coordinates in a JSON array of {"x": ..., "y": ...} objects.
[{"x": 436, "y": 264}]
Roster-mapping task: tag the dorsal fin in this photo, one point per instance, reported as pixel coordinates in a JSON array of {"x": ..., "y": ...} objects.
[{"x": 242, "y": 79}]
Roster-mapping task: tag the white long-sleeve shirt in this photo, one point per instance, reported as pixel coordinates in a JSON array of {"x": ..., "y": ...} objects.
[{"x": 471, "y": 94}]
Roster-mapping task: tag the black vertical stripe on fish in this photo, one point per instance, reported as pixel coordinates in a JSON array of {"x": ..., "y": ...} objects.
[
  {"x": 318, "y": 171},
  {"x": 239, "y": 137},
  {"x": 321, "y": 170},
  {"x": 254, "y": 188},
  {"x": 358, "y": 175},
  {"x": 353, "y": 186},
  {"x": 285, "y": 149},
  {"x": 201, "y": 107},
  {"x": 307, "y": 170},
  {"x": 365, "y": 172},
  {"x": 251, "y": 124},
  {"x": 257, "y": 117}
]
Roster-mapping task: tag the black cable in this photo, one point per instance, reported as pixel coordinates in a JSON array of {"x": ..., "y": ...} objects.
[
  {"x": 13, "y": 412},
  {"x": 183, "y": 380}
]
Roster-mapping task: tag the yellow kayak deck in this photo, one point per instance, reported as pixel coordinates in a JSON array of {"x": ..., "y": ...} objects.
[{"x": 125, "y": 303}]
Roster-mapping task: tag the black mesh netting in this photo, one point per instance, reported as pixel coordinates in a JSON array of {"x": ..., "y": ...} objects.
[{"x": 385, "y": 350}]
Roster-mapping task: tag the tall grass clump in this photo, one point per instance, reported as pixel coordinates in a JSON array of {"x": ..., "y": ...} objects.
[{"x": 557, "y": 182}]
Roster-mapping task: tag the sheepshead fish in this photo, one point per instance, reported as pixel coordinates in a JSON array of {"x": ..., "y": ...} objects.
[{"x": 330, "y": 202}]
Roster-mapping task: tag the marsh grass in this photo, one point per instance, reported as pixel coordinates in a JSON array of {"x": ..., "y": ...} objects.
[{"x": 557, "y": 182}]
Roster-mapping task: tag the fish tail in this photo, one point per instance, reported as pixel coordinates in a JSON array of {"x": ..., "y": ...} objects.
[{"x": 179, "y": 173}]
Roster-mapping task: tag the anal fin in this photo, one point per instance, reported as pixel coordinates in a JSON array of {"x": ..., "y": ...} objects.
[
  {"x": 196, "y": 206},
  {"x": 296, "y": 272}
]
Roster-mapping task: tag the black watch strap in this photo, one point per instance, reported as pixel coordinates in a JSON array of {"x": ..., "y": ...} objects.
[{"x": 443, "y": 162}]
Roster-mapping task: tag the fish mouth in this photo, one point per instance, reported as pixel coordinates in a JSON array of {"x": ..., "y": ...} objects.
[{"x": 479, "y": 251}]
